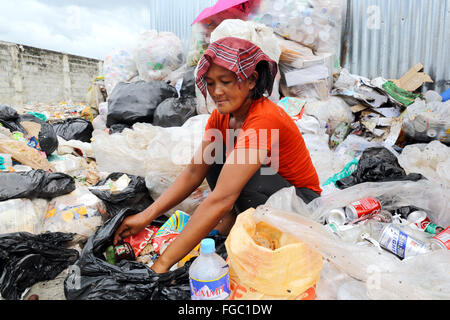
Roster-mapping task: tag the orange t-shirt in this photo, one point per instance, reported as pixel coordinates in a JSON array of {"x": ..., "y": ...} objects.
[{"x": 267, "y": 126}]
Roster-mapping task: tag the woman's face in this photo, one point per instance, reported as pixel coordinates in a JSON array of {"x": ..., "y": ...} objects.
[{"x": 226, "y": 91}]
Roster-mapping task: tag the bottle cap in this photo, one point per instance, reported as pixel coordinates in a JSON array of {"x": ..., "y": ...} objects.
[{"x": 207, "y": 245}]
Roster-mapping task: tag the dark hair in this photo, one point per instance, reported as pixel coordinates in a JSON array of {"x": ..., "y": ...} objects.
[{"x": 264, "y": 81}]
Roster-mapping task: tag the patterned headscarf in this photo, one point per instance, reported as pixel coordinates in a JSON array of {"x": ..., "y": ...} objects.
[{"x": 237, "y": 55}]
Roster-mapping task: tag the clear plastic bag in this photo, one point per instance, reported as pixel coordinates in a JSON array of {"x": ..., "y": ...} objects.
[
  {"x": 157, "y": 55},
  {"x": 157, "y": 183},
  {"x": 72, "y": 165},
  {"x": 384, "y": 276},
  {"x": 314, "y": 23},
  {"x": 118, "y": 66},
  {"x": 337, "y": 285},
  {"x": 22, "y": 215},
  {"x": 79, "y": 212},
  {"x": 354, "y": 146},
  {"x": 428, "y": 120},
  {"x": 423, "y": 194}
]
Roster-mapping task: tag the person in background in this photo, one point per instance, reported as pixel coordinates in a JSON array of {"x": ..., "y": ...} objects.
[{"x": 251, "y": 149}]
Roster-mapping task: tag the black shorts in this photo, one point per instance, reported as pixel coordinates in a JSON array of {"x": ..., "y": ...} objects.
[{"x": 259, "y": 188}]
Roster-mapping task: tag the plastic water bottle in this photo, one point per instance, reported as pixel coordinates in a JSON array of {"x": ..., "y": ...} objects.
[{"x": 208, "y": 274}]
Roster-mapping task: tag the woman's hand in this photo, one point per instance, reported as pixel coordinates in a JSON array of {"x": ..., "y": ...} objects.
[
  {"x": 232, "y": 179},
  {"x": 131, "y": 225}
]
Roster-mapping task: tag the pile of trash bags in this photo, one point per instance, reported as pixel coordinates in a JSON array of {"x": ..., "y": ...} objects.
[{"x": 380, "y": 148}]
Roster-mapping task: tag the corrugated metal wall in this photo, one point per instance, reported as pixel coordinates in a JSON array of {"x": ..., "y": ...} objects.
[
  {"x": 380, "y": 38},
  {"x": 387, "y": 37},
  {"x": 176, "y": 16}
]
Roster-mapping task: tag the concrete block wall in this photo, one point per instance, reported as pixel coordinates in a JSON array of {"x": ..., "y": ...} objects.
[{"x": 34, "y": 75}]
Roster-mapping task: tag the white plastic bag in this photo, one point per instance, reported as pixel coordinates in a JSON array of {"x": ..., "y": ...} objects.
[
  {"x": 147, "y": 148},
  {"x": 258, "y": 34},
  {"x": 75, "y": 147},
  {"x": 80, "y": 212},
  {"x": 156, "y": 153},
  {"x": 157, "y": 55},
  {"x": 99, "y": 122},
  {"x": 22, "y": 215},
  {"x": 332, "y": 111},
  {"x": 431, "y": 160}
]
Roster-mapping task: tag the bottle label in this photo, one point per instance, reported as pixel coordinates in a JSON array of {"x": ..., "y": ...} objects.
[
  {"x": 400, "y": 243},
  {"x": 218, "y": 289}
]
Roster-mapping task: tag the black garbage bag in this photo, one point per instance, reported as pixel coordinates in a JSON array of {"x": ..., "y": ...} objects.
[
  {"x": 188, "y": 85},
  {"x": 377, "y": 164},
  {"x": 34, "y": 184},
  {"x": 173, "y": 112},
  {"x": 127, "y": 280},
  {"x": 134, "y": 102},
  {"x": 46, "y": 136},
  {"x": 26, "y": 259},
  {"x": 9, "y": 118},
  {"x": 118, "y": 128},
  {"x": 74, "y": 129},
  {"x": 135, "y": 196}
]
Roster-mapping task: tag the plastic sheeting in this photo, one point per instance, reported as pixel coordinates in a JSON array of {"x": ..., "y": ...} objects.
[{"x": 379, "y": 274}]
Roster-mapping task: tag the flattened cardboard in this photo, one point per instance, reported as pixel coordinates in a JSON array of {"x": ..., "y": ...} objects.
[{"x": 413, "y": 79}]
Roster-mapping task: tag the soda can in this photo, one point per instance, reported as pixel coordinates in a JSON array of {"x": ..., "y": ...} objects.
[
  {"x": 441, "y": 240},
  {"x": 421, "y": 220},
  {"x": 363, "y": 207},
  {"x": 400, "y": 243},
  {"x": 336, "y": 216}
]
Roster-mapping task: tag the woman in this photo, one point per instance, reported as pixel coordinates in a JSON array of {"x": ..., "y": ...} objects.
[{"x": 243, "y": 168}]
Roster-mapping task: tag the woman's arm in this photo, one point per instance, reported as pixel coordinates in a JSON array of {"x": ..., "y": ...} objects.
[
  {"x": 186, "y": 183},
  {"x": 232, "y": 179}
]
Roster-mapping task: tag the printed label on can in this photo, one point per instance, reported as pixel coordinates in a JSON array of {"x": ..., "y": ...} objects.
[
  {"x": 218, "y": 289},
  {"x": 433, "y": 228},
  {"x": 444, "y": 237},
  {"x": 400, "y": 243},
  {"x": 363, "y": 207}
]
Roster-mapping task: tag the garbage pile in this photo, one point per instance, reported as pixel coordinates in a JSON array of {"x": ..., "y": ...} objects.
[{"x": 70, "y": 174}]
